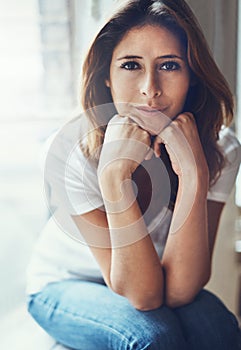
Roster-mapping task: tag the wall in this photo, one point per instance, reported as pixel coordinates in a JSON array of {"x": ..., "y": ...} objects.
[{"x": 218, "y": 19}]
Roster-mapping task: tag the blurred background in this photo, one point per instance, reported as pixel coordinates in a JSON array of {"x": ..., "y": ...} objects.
[{"x": 42, "y": 45}]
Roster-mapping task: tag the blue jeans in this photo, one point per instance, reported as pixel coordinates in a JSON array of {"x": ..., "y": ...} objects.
[{"x": 89, "y": 316}]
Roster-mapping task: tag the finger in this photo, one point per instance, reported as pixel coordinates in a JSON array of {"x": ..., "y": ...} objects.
[
  {"x": 158, "y": 122},
  {"x": 185, "y": 117},
  {"x": 118, "y": 119},
  {"x": 156, "y": 147},
  {"x": 149, "y": 154}
]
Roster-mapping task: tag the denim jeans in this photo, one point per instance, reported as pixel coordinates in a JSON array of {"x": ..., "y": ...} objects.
[{"x": 89, "y": 316}]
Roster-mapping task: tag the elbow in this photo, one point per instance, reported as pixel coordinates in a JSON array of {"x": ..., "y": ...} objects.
[
  {"x": 179, "y": 295},
  {"x": 141, "y": 301},
  {"x": 146, "y": 304},
  {"x": 174, "y": 300}
]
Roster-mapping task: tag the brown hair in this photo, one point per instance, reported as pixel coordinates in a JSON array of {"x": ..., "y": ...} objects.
[{"x": 209, "y": 98}]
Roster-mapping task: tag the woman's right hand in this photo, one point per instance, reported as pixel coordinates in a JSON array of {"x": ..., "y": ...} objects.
[{"x": 125, "y": 146}]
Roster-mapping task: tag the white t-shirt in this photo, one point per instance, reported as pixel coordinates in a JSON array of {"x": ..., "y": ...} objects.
[{"x": 71, "y": 185}]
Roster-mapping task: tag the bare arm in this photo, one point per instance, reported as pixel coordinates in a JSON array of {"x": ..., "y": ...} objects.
[
  {"x": 130, "y": 264},
  {"x": 126, "y": 255},
  {"x": 192, "y": 271},
  {"x": 132, "y": 270},
  {"x": 188, "y": 251}
]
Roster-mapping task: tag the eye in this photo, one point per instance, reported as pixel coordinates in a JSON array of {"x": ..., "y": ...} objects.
[
  {"x": 130, "y": 65},
  {"x": 170, "y": 66}
]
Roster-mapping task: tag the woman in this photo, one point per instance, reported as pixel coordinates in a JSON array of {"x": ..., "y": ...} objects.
[{"x": 154, "y": 104}]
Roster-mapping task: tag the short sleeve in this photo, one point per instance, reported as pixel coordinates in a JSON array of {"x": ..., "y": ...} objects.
[
  {"x": 81, "y": 183},
  {"x": 231, "y": 149},
  {"x": 70, "y": 179}
]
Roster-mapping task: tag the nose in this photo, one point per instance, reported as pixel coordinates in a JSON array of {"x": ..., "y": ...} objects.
[{"x": 150, "y": 86}]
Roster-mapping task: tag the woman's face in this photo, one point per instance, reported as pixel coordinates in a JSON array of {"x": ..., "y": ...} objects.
[{"x": 149, "y": 73}]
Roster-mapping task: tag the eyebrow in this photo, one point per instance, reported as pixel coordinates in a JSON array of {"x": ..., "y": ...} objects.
[{"x": 139, "y": 57}]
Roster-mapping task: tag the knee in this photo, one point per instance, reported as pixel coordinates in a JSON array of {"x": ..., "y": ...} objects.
[
  {"x": 208, "y": 324},
  {"x": 162, "y": 337},
  {"x": 29, "y": 305}
]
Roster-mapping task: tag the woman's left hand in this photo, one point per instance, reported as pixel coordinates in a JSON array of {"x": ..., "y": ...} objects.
[{"x": 183, "y": 145}]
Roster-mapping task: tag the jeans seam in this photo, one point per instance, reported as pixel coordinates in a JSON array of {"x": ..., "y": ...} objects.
[{"x": 52, "y": 306}]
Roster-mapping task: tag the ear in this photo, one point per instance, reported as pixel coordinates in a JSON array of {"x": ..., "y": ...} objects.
[{"x": 107, "y": 82}]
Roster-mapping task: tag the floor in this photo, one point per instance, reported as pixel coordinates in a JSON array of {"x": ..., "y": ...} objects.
[{"x": 24, "y": 213}]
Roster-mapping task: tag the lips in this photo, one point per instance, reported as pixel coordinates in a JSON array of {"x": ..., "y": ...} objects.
[
  {"x": 153, "y": 111},
  {"x": 150, "y": 109}
]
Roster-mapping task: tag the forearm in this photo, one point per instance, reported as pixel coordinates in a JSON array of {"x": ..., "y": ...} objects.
[
  {"x": 186, "y": 258},
  {"x": 136, "y": 271}
]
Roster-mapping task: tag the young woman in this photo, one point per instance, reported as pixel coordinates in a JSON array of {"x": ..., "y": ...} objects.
[{"x": 141, "y": 178}]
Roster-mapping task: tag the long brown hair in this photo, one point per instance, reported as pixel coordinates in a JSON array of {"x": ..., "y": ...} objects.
[{"x": 209, "y": 97}]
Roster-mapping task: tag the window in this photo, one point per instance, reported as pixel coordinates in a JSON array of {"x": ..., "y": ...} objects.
[{"x": 40, "y": 53}]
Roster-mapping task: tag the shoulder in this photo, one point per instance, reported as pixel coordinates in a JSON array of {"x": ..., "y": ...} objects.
[
  {"x": 231, "y": 150},
  {"x": 62, "y": 148},
  {"x": 229, "y": 145},
  {"x": 70, "y": 178}
]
